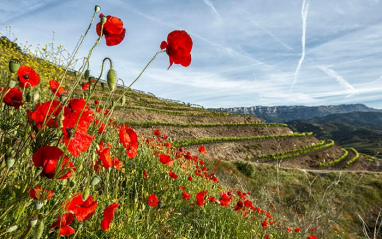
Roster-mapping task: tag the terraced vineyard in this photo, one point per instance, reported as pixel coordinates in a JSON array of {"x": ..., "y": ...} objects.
[{"x": 231, "y": 137}]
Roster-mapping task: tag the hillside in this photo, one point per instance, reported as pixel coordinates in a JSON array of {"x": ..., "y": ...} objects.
[
  {"x": 360, "y": 130},
  {"x": 274, "y": 114}
]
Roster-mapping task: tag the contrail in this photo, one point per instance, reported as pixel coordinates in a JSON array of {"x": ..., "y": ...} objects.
[
  {"x": 304, "y": 15},
  {"x": 213, "y": 8},
  {"x": 339, "y": 79}
]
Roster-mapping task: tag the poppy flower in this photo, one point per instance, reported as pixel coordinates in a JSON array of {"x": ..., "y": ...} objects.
[
  {"x": 108, "y": 215},
  {"x": 225, "y": 198},
  {"x": 190, "y": 178},
  {"x": 297, "y": 229},
  {"x": 145, "y": 174},
  {"x": 46, "y": 157},
  {"x": 27, "y": 77},
  {"x": 46, "y": 111},
  {"x": 83, "y": 210},
  {"x": 14, "y": 97},
  {"x": 239, "y": 205},
  {"x": 186, "y": 196},
  {"x": 96, "y": 102},
  {"x": 101, "y": 126},
  {"x": 178, "y": 48},
  {"x": 117, "y": 163},
  {"x": 202, "y": 150},
  {"x": 212, "y": 199},
  {"x": 311, "y": 237},
  {"x": 79, "y": 141},
  {"x": 153, "y": 200},
  {"x": 264, "y": 224},
  {"x": 172, "y": 175},
  {"x": 166, "y": 159},
  {"x": 200, "y": 198},
  {"x": 129, "y": 139},
  {"x": 266, "y": 236},
  {"x": 290, "y": 230},
  {"x": 73, "y": 111},
  {"x": 105, "y": 156},
  {"x": 37, "y": 194},
  {"x": 64, "y": 223},
  {"x": 112, "y": 30},
  {"x": 157, "y": 132},
  {"x": 55, "y": 89}
]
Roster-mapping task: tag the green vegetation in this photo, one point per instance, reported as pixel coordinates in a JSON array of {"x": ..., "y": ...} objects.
[
  {"x": 356, "y": 156},
  {"x": 330, "y": 163},
  {"x": 150, "y": 124}
]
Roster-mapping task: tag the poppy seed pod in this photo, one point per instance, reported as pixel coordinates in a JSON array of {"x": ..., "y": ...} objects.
[
  {"x": 14, "y": 65},
  {"x": 86, "y": 193},
  {"x": 28, "y": 96},
  {"x": 38, "y": 171},
  {"x": 123, "y": 99},
  {"x": 97, "y": 8},
  {"x": 36, "y": 96},
  {"x": 103, "y": 20},
  {"x": 38, "y": 204},
  {"x": 33, "y": 222},
  {"x": 63, "y": 97},
  {"x": 12, "y": 228},
  {"x": 95, "y": 180},
  {"x": 9, "y": 162},
  {"x": 111, "y": 79},
  {"x": 12, "y": 84},
  {"x": 40, "y": 230}
]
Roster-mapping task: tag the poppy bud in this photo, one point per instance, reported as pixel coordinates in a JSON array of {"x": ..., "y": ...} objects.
[
  {"x": 95, "y": 180},
  {"x": 97, "y": 8},
  {"x": 38, "y": 171},
  {"x": 94, "y": 156},
  {"x": 27, "y": 151},
  {"x": 33, "y": 222},
  {"x": 63, "y": 97},
  {"x": 87, "y": 73},
  {"x": 111, "y": 79},
  {"x": 14, "y": 65},
  {"x": 12, "y": 228},
  {"x": 28, "y": 96},
  {"x": 76, "y": 73},
  {"x": 12, "y": 84},
  {"x": 103, "y": 86},
  {"x": 40, "y": 230},
  {"x": 123, "y": 99},
  {"x": 38, "y": 204},
  {"x": 71, "y": 184},
  {"x": 9, "y": 162},
  {"x": 86, "y": 194},
  {"x": 36, "y": 96},
  {"x": 80, "y": 225}
]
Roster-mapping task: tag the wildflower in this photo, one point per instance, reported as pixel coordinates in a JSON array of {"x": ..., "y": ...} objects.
[
  {"x": 83, "y": 210},
  {"x": 311, "y": 237},
  {"x": 153, "y": 200},
  {"x": 269, "y": 215},
  {"x": 186, "y": 196},
  {"x": 112, "y": 30},
  {"x": 225, "y": 198},
  {"x": 96, "y": 102},
  {"x": 37, "y": 194},
  {"x": 27, "y": 77},
  {"x": 264, "y": 224},
  {"x": 166, "y": 159},
  {"x": 47, "y": 157},
  {"x": 266, "y": 236},
  {"x": 172, "y": 175},
  {"x": 157, "y": 132},
  {"x": 297, "y": 229},
  {"x": 202, "y": 150},
  {"x": 101, "y": 126},
  {"x": 289, "y": 230},
  {"x": 55, "y": 89},
  {"x": 105, "y": 156},
  {"x": 212, "y": 199},
  {"x": 239, "y": 205},
  {"x": 117, "y": 163},
  {"x": 190, "y": 178},
  {"x": 200, "y": 198},
  {"x": 108, "y": 215},
  {"x": 14, "y": 97},
  {"x": 64, "y": 223},
  {"x": 145, "y": 174},
  {"x": 46, "y": 111},
  {"x": 178, "y": 48},
  {"x": 129, "y": 139}
]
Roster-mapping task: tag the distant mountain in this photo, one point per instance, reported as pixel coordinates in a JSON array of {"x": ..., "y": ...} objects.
[
  {"x": 359, "y": 130},
  {"x": 278, "y": 114}
]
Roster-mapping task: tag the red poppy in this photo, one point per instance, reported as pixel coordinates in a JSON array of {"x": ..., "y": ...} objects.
[
  {"x": 117, "y": 163},
  {"x": 264, "y": 224},
  {"x": 96, "y": 102},
  {"x": 190, "y": 178},
  {"x": 202, "y": 150},
  {"x": 56, "y": 90},
  {"x": 27, "y": 77},
  {"x": 200, "y": 198},
  {"x": 101, "y": 126},
  {"x": 248, "y": 204},
  {"x": 108, "y": 215},
  {"x": 37, "y": 194},
  {"x": 172, "y": 175},
  {"x": 83, "y": 210},
  {"x": 153, "y": 200},
  {"x": 166, "y": 159},
  {"x": 14, "y": 97},
  {"x": 225, "y": 198},
  {"x": 65, "y": 229},
  {"x": 297, "y": 229},
  {"x": 73, "y": 111},
  {"x": 129, "y": 139},
  {"x": 112, "y": 30},
  {"x": 79, "y": 141},
  {"x": 178, "y": 48},
  {"x": 157, "y": 132},
  {"x": 186, "y": 196},
  {"x": 266, "y": 236},
  {"x": 239, "y": 205},
  {"x": 47, "y": 157},
  {"x": 47, "y": 110},
  {"x": 145, "y": 174},
  {"x": 105, "y": 156},
  {"x": 311, "y": 237},
  {"x": 212, "y": 199},
  {"x": 290, "y": 230}
]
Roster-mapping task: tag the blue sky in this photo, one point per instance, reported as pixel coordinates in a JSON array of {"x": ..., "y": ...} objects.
[{"x": 245, "y": 53}]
